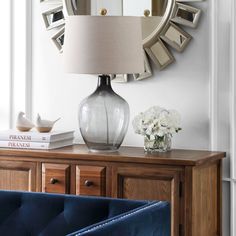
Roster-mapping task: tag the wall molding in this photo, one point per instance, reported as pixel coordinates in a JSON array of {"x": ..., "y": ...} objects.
[
  {"x": 11, "y": 84},
  {"x": 233, "y": 92},
  {"x": 213, "y": 106},
  {"x": 29, "y": 57},
  {"x": 215, "y": 96},
  {"x": 233, "y": 120},
  {"x": 21, "y": 60}
]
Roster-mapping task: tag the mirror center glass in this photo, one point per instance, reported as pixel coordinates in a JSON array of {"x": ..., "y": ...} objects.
[{"x": 152, "y": 11}]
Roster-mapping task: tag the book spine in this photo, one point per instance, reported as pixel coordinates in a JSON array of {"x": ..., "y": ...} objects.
[
  {"x": 24, "y": 145},
  {"x": 25, "y": 138}
]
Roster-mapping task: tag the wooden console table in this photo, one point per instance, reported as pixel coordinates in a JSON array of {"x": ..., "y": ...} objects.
[{"x": 189, "y": 180}]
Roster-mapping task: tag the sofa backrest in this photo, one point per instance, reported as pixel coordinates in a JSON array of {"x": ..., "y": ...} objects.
[{"x": 31, "y": 214}]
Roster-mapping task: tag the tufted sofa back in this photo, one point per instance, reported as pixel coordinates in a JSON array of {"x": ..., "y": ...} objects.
[{"x": 38, "y": 214}]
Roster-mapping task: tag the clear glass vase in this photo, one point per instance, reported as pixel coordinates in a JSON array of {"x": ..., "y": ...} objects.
[
  {"x": 157, "y": 143},
  {"x": 103, "y": 118}
]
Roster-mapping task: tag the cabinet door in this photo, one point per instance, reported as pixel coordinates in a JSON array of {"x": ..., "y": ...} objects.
[
  {"x": 17, "y": 175},
  {"x": 150, "y": 184},
  {"x": 90, "y": 180},
  {"x": 55, "y": 178}
]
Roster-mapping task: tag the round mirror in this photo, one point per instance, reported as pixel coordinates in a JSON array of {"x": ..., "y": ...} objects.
[
  {"x": 161, "y": 25},
  {"x": 154, "y": 13}
]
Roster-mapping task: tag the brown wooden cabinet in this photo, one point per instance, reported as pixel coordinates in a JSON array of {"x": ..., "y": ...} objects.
[{"x": 189, "y": 180}]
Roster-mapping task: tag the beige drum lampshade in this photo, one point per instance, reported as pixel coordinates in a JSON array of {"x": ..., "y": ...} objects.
[{"x": 103, "y": 45}]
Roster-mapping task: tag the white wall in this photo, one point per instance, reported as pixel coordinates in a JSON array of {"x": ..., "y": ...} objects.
[{"x": 198, "y": 85}]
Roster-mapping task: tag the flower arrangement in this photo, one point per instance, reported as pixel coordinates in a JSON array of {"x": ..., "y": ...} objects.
[{"x": 157, "y": 125}]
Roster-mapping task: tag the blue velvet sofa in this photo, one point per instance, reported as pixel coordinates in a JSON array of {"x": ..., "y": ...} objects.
[{"x": 38, "y": 214}]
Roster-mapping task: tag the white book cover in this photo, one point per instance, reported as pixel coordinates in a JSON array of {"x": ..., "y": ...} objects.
[
  {"x": 35, "y": 145},
  {"x": 34, "y": 136}
]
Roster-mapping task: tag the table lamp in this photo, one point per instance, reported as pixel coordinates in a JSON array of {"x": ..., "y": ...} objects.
[{"x": 103, "y": 45}]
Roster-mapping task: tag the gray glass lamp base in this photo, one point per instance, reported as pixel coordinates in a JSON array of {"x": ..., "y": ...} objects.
[{"x": 103, "y": 118}]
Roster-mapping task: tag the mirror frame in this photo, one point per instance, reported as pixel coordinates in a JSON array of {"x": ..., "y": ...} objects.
[{"x": 157, "y": 46}]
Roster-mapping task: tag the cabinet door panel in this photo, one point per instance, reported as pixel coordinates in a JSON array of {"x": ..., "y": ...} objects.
[
  {"x": 56, "y": 178},
  {"x": 90, "y": 180},
  {"x": 20, "y": 176},
  {"x": 149, "y": 184},
  {"x": 145, "y": 188}
]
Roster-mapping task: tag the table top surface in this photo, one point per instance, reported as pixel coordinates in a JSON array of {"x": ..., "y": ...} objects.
[{"x": 125, "y": 154}]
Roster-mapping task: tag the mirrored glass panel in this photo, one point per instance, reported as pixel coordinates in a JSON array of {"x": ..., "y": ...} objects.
[
  {"x": 137, "y": 8},
  {"x": 184, "y": 14},
  {"x": 81, "y": 7},
  {"x": 152, "y": 11},
  {"x": 53, "y": 18},
  {"x": 58, "y": 39}
]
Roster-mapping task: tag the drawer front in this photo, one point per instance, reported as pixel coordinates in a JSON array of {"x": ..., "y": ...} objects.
[
  {"x": 55, "y": 178},
  {"x": 90, "y": 180},
  {"x": 18, "y": 175}
]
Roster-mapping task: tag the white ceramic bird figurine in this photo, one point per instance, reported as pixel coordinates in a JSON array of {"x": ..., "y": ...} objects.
[
  {"x": 22, "y": 123},
  {"x": 44, "y": 126}
]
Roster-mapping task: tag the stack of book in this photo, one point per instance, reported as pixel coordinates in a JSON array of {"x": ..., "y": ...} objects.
[{"x": 35, "y": 140}]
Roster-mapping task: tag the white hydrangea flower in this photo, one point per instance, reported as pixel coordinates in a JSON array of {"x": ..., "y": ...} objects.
[
  {"x": 153, "y": 112},
  {"x": 157, "y": 121}
]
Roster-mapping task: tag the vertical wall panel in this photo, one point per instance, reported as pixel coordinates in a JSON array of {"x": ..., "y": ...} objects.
[
  {"x": 224, "y": 102},
  {"x": 20, "y": 48},
  {"x": 15, "y": 59},
  {"x": 5, "y": 61},
  {"x": 213, "y": 79},
  {"x": 221, "y": 92},
  {"x": 220, "y": 79},
  {"x": 28, "y": 59},
  {"x": 233, "y": 91},
  {"x": 233, "y": 119}
]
